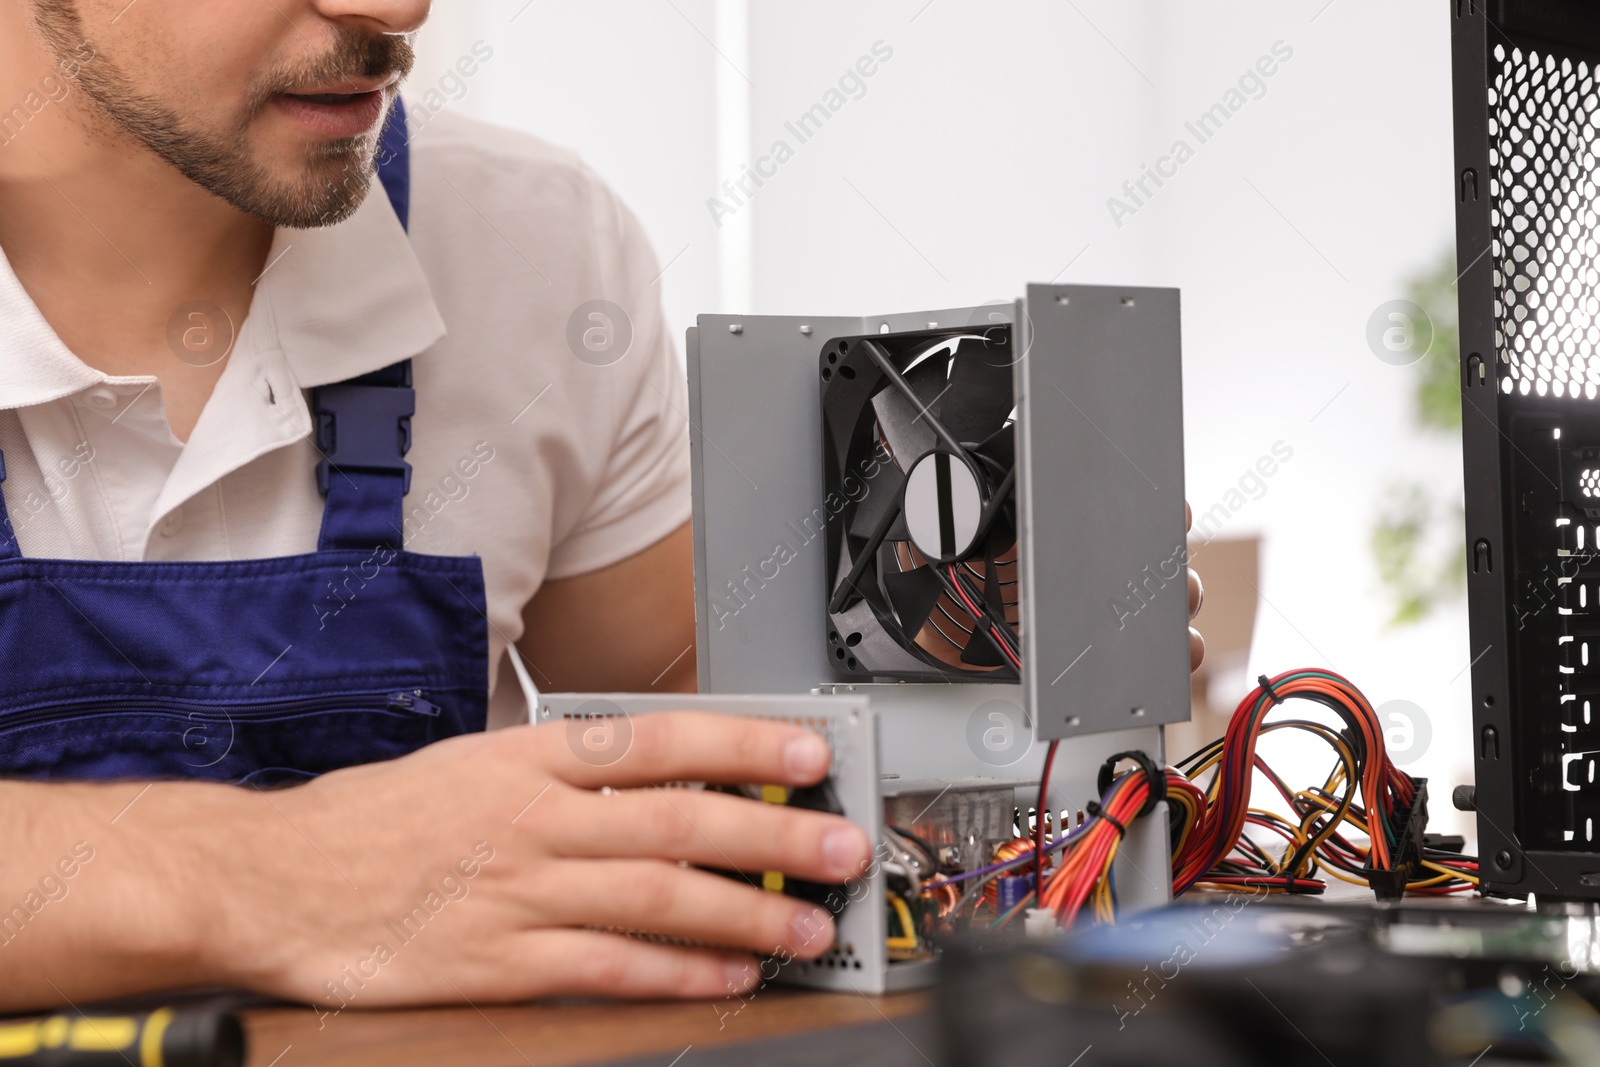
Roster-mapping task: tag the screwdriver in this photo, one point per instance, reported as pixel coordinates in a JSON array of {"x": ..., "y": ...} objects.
[{"x": 168, "y": 1037}]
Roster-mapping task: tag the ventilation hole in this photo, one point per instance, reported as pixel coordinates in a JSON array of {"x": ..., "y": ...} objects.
[
  {"x": 827, "y": 375},
  {"x": 833, "y": 357},
  {"x": 851, "y": 663},
  {"x": 856, "y": 964},
  {"x": 844, "y": 346},
  {"x": 847, "y": 372},
  {"x": 838, "y": 653},
  {"x": 853, "y": 640}
]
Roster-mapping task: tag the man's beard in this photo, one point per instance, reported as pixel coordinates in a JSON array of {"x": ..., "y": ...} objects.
[{"x": 337, "y": 174}]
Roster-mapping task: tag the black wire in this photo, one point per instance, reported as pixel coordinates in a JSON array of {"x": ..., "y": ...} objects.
[
  {"x": 1005, "y": 632},
  {"x": 988, "y": 632},
  {"x": 933, "y": 856}
]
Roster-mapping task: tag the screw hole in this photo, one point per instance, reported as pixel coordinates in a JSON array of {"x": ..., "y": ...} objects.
[
  {"x": 851, "y": 663},
  {"x": 827, "y": 375},
  {"x": 833, "y": 357},
  {"x": 1073, "y": 720},
  {"x": 838, "y": 653},
  {"x": 1063, "y": 299},
  {"x": 1127, "y": 301}
]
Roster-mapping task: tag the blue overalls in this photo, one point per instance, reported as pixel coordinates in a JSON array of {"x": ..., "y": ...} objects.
[{"x": 235, "y": 671}]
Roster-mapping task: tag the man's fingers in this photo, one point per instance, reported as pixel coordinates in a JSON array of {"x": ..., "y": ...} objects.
[
  {"x": 589, "y": 963},
  {"x": 709, "y": 830},
  {"x": 687, "y": 746},
  {"x": 1197, "y": 649},
  {"x": 1197, "y": 594},
  {"x": 1188, "y": 516},
  {"x": 662, "y": 898}
]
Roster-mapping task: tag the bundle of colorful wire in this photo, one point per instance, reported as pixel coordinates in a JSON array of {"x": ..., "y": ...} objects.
[
  {"x": 1214, "y": 849},
  {"x": 1364, "y": 792}
]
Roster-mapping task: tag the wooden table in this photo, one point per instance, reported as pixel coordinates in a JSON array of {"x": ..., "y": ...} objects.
[{"x": 553, "y": 1035}]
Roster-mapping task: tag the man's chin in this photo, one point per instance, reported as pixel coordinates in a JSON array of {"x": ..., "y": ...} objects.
[{"x": 306, "y": 186}]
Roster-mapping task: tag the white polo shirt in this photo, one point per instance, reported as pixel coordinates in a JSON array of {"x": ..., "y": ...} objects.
[{"x": 546, "y": 440}]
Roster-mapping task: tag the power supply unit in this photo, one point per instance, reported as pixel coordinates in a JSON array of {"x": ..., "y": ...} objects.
[{"x": 942, "y": 539}]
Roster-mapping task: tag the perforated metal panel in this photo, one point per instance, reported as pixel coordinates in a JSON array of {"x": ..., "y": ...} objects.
[{"x": 1542, "y": 151}]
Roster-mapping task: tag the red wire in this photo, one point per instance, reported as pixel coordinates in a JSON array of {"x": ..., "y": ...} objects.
[
  {"x": 1038, "y": 822},
  {"x": 977, "y": 617}
]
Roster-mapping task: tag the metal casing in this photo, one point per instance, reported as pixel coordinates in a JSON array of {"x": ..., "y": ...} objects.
[
  {"x": 1527, "y": 130},
  {"x": 1100, "y": 476}
]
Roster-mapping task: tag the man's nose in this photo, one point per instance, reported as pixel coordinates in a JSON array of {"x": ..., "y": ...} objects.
[{"x": 382, "y": 16}]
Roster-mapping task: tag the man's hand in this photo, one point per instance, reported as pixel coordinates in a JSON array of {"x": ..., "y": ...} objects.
[
  {"x": 509, "y": 836},
  {"x": 485, "y": 868},
  {"x": 1197, "y": 597}
]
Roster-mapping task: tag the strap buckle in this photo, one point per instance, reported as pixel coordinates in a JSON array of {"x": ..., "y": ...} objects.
[{"x": 364, "y": 428}]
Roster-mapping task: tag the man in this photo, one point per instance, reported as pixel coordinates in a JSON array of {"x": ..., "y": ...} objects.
[{"x": 190, "y": 249}]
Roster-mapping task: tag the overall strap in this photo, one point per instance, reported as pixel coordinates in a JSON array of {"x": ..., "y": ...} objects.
[
  {"x": 363, "y": 426},
  {"x": 8, "y": 538}
]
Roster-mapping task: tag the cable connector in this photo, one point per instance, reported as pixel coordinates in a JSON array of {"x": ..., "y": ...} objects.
[{"x": 1040, "y": 923}]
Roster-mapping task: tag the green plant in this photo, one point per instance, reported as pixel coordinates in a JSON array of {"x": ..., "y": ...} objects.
[{"x": 1417, "y": 541}]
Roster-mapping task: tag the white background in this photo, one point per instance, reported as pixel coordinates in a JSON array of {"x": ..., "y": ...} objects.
[{"x": 981, "y": 157}]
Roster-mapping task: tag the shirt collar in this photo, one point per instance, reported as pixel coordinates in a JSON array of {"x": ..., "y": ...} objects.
[
  {"x": 349, "y": 299},
  {"x": 35, "y": 367},
  {"x": 342, "y": 301}
]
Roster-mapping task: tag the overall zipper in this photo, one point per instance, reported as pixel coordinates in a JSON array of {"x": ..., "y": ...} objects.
[{"x": 410, "y": 701}]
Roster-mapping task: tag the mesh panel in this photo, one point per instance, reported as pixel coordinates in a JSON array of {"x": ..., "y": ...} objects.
[{"x": 1546, "y": 244}]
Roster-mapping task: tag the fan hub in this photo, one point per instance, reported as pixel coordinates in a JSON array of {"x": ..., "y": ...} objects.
[{"x": 944, "y": 501}]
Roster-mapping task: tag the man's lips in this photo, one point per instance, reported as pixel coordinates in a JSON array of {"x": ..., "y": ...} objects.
[{"x": 333, "y": 115}]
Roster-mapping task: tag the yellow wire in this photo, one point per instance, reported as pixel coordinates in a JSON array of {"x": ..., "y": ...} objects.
[
  {"x": 1463, "y": 875},
  {"x": 1446, "y": 873},
  {"x": 907, "y": 943}
]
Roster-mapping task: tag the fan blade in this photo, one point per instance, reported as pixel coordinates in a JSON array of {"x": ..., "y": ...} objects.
[
  {"x": 980, "y": 652},
  {"x": 905, "y": 426},
  {"x": 1001, "y": 446},
  {"x": 883, "y": 492},
  {"x": 979, "y": 400},
  {"x": 848, "y": 591},
  {"x": 913, "y": 595}
]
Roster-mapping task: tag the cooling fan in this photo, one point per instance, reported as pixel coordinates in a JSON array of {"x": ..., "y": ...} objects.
[{"x": 919, "y": 461}]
